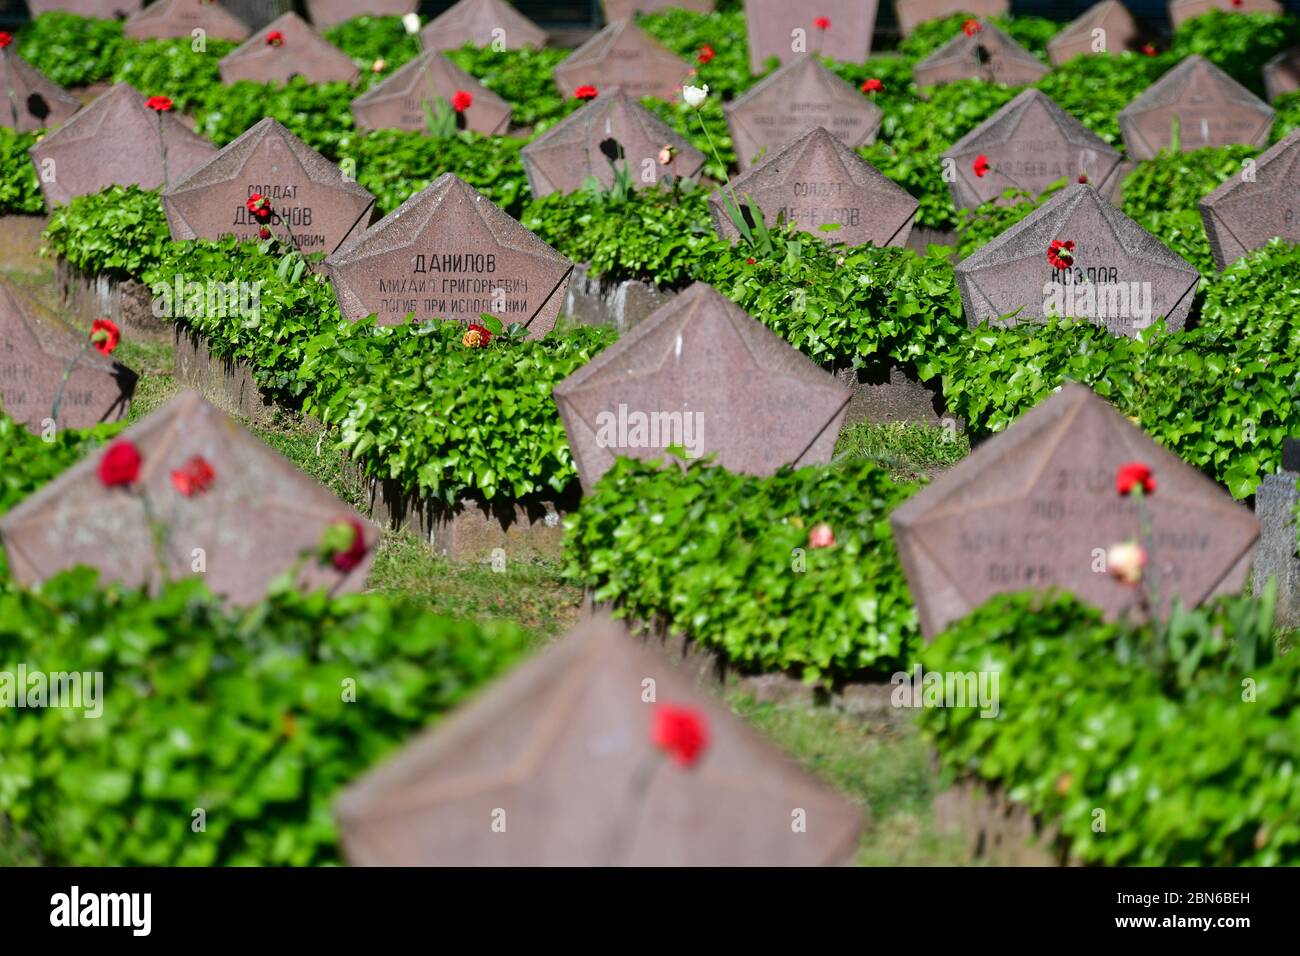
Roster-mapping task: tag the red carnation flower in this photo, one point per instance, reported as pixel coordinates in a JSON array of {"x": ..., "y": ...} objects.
[
  {"x": 1133, "y": 475},
  {"x": 119, "y": 465},
  {"x": 5, "y": 39},
  {"x": 981, "y": 165},
  {"x": 263, "y": 233},
  {"x": 822, "y": 23},
  {"x": 585, "y": 93},
  {"x": 105, "y": 335},
  {"x": 259, "y": 206},
  {"x": 706, "y": 54},
  {"x": 275, "y": 38},
  {"x": 971, "y": 27},
  {"x": 1083, "y": 177},
  {"x": 1061, "y": 254},
  {"x": 1236, "y": 3},
  {"x": 195, "y": 477},
  {"x": 159, "y": 104},
  {"x": 352, "y": 556},
  {"x": 681, "y": 732},
  {"x": 750, "y": 261},
  {"x": 461, "y": 100},
  {"x": 1149, "y": 49},
  {"x": 872, "y": 85}
]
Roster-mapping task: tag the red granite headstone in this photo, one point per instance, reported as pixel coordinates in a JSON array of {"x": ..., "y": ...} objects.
[
  {"x": 38, "y": 102},
  {"x": 405, "y": 99},
  {"x": 781, "y": 29},
  {"x": 1105, "y": 27},
  {"x": 623, "y": 55},
  {"x": 1259, "y": 203},
  {"x": 985, "y": 54},
  {"x": 449, "y": 252},
  {"x": 170, "y": 19},
  {"x": 481, "y": 23},
  {"x": 115, "y": 141},
  {"x": 287, "y": 47}
]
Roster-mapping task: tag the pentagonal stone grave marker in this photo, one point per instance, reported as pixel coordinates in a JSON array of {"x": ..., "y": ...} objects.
[
  {"x": 816, "y": 181},
  {"x": 562, "y": 753},
  {"x": 449, "y": 252},
  {"x": 1078, "y": 257},
  {"x": 327, "y": 13},
  {"x": 611, "y": 131},
  {"x": 702, "y": 374},
  {"x": 1254, "y": 206},
  {"x": 37, "y": 101},
  {"x": 781, "y": 29},
  {"x": 1080, "y": 36},
  {"x": 312, "y": 205},
  {"x": 115, "y": 141},
  {"x": 1028, "y": 144},
  {"x": 252, "y": 517},
  {"x": 912, "y": 13},
  {"x": 1282, "y": 73},
  {"x": 626, "y": 56},
  {"x": 1036, "y": 507},
  {"x": 42, "y": 356},
  {"x": 1209, "y": 107},
  {"x": 405, "y": 99},
  {"x": 284, "y": 48},
  {"x": 798, "y": 97},
  {"x": 170, "y": 19},
  {"x": 1180, "y": 11},
  {"x": 984, "y": 53},
  {"x": 482, "y": 23}
]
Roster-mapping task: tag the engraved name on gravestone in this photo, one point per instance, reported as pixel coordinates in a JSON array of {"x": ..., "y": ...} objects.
[
  {"x": 448, "y": 252},
  {"x": 547, "y": 767},
  {"x": 1180, "y": 11},
  {"x": 912, "y": 13},
  {"x": 1115, "y": 273},
  {"x": 170, "y": 19},
  {"x": 1209, "y": 107},
  {"x": 285, "y": 48},
  {"x": 405, "y": 99},
  {"x": 626, "y": 56},
  {"x": 798, "y": 97},
  {"x": 1079, "y": 37},
  {"x": 482, "y": 23},
  {"x": 103, "y": 9},
  {"x": 611, "y": 131},
  {"x": 312, "y": 205},
  {"x": 702, "y": 374},
  {"x": 627, "y": 9},
  {"x": 985, "y": 54},
  {"x": 1036, "y": 507},
  {"x": 817, "y": 180},
  {"x": 259, "y": 515},
  {"x": 328, "y": 13},
  {"x": 38, "y": 101},
  {"x": 37, "y": 351},
  {"x": 114, "y": 141},
  {"x": 1028, "y": 144},
  {"x": 1282, "y": 73},
  {"x": 1256, "y": 205},
  {"x": 781, "y": 29}
]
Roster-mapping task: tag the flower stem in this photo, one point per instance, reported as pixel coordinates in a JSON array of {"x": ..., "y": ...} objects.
[
  {"x": 67, "y": 374},
  {"x": 13, "y": 97},
  {"x": 162, "y": 145}
]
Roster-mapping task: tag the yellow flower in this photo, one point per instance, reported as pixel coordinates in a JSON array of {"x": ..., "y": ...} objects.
[{"x": 472, "y": 339}]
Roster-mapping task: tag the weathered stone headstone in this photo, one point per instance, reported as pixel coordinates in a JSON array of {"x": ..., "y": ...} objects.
[
  {"x": 258, "y": 515},
  {"x": 39, "y": 101},
  {"x": 313, "y": 205},
  {"x": 817, "y": 180},
  {"x": 611, "y": 131},
  {"x": 623, "y": 55},
  {"x": 1209, "y": 106},
  {"x": 1079, "y": 37},
  {"x": 1282, "y": 73},
  {"x": 170, "y": 19},
  {"x": 298, "y": 50},
  {"x": 1275, "y": 503},
  {"x": 482, "y": 23},
  {"x": 449, "y": 252},
  {"x": 781, "y": 29},
  {"x": 1261, "y": 202},
  {"x": 403, "y": 101},
  {"x": 912, "y": 13},
  {"x": 1036, "y": 507},
  {"x": 104, "y": 9},
  {"x": 1180, "y": 11},
  {"x": 626, "y": 9},
  {"x": 1115, "y": 273},
  {"x": 985, "y": 54},
  {"x": 798, "y": 97},
  {"x": 1028, "y": 144},
  {"x": 328, "y": 13},
  {"x": 556, "y": 765},
  {"x": 702, "y": 374},
  {"x": 37, "y": 350},
  {"x": 115, "y": 140}
]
